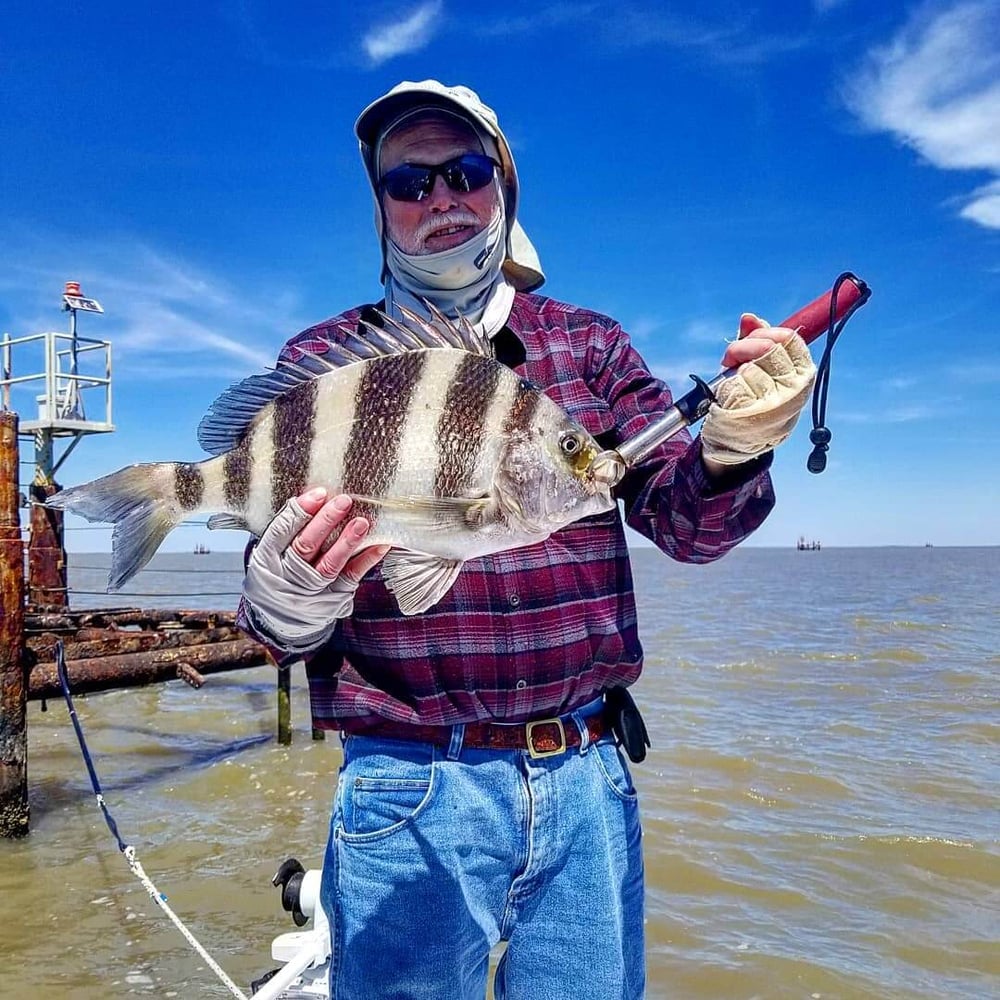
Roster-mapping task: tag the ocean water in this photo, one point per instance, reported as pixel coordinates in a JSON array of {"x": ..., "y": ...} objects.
[{"x": 820, "y": 803}]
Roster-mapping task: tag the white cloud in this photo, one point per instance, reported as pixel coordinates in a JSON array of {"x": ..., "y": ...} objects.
[
  {"x": 629, "y": 24},
  {"x": 899, "y": 383},
  {"x": 541, "y": 18},
  {"x": 399, "y": 37},
  {"x": 936, "y": 88},
  {"x": 676, "y": 372},
  {"x": 165, "y": 317},
  {"x": 915, "y": 412},
  {"x": 738, "y": 41},
  {"x": 983, "y": 206},
  {"x": 643, "y": 327},
  {"x": 985, "y": 371},
  {"x": 711, "y": 331}
]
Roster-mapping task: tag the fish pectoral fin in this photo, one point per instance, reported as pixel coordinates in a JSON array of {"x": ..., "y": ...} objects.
[
  {"x": 417, "y": 580},
  {"x": 506, "y": 499},
  {"x": 435, "y": 513},
  {"x": 217, "y": 521}
]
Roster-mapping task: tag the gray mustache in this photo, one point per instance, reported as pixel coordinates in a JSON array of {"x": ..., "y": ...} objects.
[{"x": 456, "y": 218}]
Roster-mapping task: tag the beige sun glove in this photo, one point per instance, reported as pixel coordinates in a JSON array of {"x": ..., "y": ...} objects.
[
  {"x": 758, "y": 407},
  {"x": 288, "y": 601}
]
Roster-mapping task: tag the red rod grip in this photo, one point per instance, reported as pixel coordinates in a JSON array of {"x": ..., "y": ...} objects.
[{"x": 813, "y": 320}]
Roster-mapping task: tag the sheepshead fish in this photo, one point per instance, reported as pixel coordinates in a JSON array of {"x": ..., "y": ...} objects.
[{"x": 448, "y": 453}]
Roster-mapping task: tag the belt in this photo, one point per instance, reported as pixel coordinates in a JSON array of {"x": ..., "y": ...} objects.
[{"x": 541, "y": 738}]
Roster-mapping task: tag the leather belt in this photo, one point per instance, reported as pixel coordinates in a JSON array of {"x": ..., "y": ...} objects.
[{"x": 540, "y": 738}]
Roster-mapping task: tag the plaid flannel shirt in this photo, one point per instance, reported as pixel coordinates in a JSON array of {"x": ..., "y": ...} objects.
[{"x": 537, "y": 631}]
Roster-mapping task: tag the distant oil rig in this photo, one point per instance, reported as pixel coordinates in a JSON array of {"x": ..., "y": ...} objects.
[{"x": 803, "y": 546}]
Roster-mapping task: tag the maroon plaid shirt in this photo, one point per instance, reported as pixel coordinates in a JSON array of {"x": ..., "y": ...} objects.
[{"x": 540, "y": 630}]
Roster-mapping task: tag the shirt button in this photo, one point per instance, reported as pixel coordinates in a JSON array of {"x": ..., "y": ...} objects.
[
  {"x": 521, "y": 684},
  {"x": 514, "y": 600}
]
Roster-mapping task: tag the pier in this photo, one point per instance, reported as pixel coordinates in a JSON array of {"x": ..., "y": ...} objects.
[{"x": 104, "y": 648}]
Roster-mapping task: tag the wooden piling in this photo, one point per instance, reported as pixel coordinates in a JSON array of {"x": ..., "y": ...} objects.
[
  {"x": 284, "y": 705},
  {"x": 14, "y": 813}
]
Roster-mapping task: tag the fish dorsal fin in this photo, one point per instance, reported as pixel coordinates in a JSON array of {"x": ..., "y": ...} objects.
[
  {"x": 418, "y": 581},
  {"x": 228, "y": 418},
  {"x": 439, "y": 331}
]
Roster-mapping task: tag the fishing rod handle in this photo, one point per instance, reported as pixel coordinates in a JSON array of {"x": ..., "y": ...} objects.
[{"x": 813, "y": 320}]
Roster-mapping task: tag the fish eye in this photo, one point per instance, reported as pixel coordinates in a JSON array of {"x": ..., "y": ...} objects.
[{"x": 570, "y": 443}]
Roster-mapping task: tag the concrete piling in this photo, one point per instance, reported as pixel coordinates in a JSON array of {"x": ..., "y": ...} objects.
[{"x": 14, "y": 812}]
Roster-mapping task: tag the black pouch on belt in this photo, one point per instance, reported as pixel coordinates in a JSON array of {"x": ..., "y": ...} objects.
[{"x": 626, "y": 723}]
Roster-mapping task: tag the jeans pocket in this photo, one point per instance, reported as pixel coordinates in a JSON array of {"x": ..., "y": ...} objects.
[
  {"x": 613, "y": 768},
  {"x": 381, "y": 794}
]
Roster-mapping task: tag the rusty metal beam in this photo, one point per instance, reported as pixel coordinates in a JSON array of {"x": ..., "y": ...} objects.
[
  {"x": 127, "y": 617},
  {"x": 136, "y": 669},
  {"x": 85, "y": 644},
  {"x": 46, "y": 554}
]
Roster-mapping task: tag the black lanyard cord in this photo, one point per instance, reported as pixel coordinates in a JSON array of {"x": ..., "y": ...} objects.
[{"x": 820, "y": 434}]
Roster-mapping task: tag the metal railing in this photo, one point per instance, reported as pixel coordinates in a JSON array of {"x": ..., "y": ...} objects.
[{"x": 61, "y": 403}]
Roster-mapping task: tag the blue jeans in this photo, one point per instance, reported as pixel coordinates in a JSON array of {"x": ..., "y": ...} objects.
[{"x": 436, "y": 855}]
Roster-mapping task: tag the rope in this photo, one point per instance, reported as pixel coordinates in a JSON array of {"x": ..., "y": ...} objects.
[{"x": 126, "y": 849}]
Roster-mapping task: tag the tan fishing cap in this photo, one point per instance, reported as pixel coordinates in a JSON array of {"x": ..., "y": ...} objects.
[{"x": 521, "y": 267}]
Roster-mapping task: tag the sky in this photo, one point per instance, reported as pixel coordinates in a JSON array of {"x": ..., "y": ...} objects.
[{"x": 195, "y": 169}]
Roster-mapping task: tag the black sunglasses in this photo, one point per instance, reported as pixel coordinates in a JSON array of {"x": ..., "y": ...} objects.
[{"x": 415, "y": 181}]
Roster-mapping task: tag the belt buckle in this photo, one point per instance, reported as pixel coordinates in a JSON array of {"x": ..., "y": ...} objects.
[{"x": 529, "y": 735}]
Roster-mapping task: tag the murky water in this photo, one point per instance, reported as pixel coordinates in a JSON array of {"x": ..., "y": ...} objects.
[{"x": 820, "y": 804}]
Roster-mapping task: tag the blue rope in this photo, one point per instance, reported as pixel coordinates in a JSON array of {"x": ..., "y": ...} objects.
[{"x": 64, "y": 683}]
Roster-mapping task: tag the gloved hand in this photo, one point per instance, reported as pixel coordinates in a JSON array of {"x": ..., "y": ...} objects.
[
  {"x": 758, "y": 407},
  {"x": 292, "y": 602}
]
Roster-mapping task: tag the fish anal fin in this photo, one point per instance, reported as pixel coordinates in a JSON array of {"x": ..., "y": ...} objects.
[
  {"x": 217, "y": 521},
  {"x": 417, "y": 580}
]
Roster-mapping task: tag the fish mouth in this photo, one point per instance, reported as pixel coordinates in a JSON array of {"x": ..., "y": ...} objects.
[{"x": 606, "y": 470}]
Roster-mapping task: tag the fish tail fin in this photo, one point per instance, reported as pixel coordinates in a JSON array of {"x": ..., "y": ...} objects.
[{"x": 139, "y": 500}]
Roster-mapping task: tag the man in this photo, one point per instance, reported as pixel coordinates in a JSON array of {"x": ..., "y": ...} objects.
[{"x": 465, "y": 814}]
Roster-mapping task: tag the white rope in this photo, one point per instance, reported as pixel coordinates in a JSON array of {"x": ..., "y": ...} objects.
[
  {"x": 161, "y": 902},
  {"x": 127, "y": 849}
]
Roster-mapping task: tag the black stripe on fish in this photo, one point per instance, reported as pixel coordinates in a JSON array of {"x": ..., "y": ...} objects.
[
  {"x": 238, "y": 468},
  {"x": 522, "y": 410},
  {"x": 380, "y": 409},
  {"x": 189, "y": 485},
  {"x": 291, "y": 441},
  {"x": 462, "y": 422}
]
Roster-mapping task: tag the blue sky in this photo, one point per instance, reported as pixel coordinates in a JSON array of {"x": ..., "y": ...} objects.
[{"x": 195, "y": 168}]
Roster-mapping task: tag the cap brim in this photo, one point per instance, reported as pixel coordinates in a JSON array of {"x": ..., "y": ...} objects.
[{"x": 383, "y": 112}]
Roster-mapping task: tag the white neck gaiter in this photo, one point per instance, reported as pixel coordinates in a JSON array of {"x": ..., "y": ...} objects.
[{"x": 465, "y": 280}]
